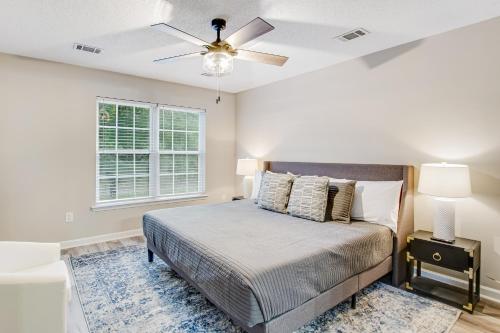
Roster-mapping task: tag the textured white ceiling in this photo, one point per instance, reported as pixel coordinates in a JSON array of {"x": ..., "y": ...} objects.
[{"x": 304, "y": 32}]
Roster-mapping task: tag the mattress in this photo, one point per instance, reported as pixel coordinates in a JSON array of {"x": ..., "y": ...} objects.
[{"x": 256, "y": 264}]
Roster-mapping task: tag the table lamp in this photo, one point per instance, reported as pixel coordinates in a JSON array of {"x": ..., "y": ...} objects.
[
  {"x": 445, "y": 183},
  {"x": 246, "y": 167}
]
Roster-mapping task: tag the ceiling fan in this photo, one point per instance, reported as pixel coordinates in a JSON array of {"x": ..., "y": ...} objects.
[{"x": 218, "y": 56}]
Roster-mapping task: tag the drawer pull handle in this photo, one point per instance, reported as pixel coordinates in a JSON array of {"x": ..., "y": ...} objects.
[{"x": 436, "y": 256}]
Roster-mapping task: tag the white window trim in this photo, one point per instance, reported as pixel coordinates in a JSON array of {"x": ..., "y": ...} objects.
[
  {"x": 154, "y": 164},
  {"x": 111, "y": 205}
]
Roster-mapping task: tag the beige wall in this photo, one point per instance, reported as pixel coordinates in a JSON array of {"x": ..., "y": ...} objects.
[
  {"x": 47, "y": 145},
  {"x": 433, "y": 100}
]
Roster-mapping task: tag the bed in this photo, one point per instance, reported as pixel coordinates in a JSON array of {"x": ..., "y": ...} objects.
[{"x": 272, "y": 272}]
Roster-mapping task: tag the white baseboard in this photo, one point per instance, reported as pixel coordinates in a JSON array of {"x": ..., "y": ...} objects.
[
  {"x": 100, "y": 238},
  {"x": 487, "y": 293}
]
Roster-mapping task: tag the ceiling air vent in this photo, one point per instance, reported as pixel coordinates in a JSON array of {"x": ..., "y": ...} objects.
[
  {"x": 356, "y": 33},
  {"x": 86, "y": 48}
]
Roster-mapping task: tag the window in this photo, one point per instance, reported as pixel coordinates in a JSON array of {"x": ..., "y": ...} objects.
[{"x": 148, "y": 152}]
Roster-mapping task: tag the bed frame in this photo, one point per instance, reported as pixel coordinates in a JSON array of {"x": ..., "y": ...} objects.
[{"x": 393, "y": 266}]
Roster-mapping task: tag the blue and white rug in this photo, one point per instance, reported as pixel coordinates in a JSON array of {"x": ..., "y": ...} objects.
[{"x": 120, "y": 291}]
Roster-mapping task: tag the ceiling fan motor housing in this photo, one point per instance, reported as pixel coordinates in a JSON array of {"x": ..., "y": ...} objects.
[{"x": 218, "y": 24}]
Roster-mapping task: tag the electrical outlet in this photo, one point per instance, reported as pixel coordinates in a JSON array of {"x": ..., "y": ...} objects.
[{"x": 69, "y": 217}]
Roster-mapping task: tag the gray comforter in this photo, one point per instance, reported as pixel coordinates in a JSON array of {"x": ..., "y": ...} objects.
[{"x": 256, "y": 264}]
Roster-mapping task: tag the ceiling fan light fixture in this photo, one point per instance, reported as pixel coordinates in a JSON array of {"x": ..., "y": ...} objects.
[{"x": 218, "y": 63}]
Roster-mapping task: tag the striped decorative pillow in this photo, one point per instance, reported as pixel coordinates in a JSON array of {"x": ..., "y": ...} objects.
[
  {"x": 308, "y": 198},
  {"x": 341, "y": 198},
  {"x": 274, "y": 191}
]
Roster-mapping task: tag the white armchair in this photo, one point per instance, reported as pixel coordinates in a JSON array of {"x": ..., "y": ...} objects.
[{"x": 34, "y": 288}]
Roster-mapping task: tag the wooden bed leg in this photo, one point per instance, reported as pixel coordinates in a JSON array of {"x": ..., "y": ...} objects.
[
  {"x": 150, "y": 255},
  {"x": 353, "y": 301}
]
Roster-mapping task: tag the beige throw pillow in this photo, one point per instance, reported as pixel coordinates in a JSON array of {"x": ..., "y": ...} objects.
[
  {"x": 274, "y": 191},
  {"x": 308, "y": 198}
]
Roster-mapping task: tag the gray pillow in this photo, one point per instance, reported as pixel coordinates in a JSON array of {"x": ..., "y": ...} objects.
[
  {"x": 308, "y": 198},
  {"x": 274, "y": 191},
  {"x": 342, "y": 195}
]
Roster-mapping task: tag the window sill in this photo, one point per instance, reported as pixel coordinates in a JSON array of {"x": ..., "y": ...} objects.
[{"x": 144, "y": 202}]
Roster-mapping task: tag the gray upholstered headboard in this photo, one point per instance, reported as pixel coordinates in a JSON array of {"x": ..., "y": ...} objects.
[{"x": 367, "y": 172}]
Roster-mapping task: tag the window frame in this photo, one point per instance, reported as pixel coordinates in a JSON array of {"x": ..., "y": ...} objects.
[{"x": 154, "y": 156}]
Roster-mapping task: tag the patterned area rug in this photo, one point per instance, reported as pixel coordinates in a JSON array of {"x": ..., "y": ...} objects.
[{"x": 121, "y": 292}]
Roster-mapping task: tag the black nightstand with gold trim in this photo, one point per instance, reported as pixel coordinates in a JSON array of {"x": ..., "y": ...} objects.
[{"x": 464, "y": 256}]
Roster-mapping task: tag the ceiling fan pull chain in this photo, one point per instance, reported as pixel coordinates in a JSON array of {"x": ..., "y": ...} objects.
[{"x": 217, "y": 100}]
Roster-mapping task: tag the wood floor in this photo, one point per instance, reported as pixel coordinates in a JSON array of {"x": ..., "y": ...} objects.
[{"x": 486, "y": 317}]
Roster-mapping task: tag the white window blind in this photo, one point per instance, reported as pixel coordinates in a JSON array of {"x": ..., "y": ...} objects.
[{"x": 148, "y": 151}]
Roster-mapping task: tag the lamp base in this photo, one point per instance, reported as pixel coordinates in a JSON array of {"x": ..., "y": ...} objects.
[
  {"x": 247, "y": 186},
  {"x": 444, "y": 220}
]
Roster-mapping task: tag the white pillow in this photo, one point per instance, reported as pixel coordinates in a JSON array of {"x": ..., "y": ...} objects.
[
  {"x": 376, "y": 202},
  {"x": 257, "y": 179},
  {"x": 339, "y": 180}
]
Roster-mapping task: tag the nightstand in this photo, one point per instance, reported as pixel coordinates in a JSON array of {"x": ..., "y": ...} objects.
[
  {"x": 463, "y": 256},
  {"x": 239, "y": 197}
]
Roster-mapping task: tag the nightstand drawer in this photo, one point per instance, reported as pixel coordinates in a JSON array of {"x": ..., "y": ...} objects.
[{"x": 440, "y": 254}]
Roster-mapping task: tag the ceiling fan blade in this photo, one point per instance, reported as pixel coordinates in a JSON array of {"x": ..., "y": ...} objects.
[
  {"x": 266, "y": 58},
  {"x": 252, "y": 30},
  {"x": 180, "y": 56},
  {"x": 179, "y": 34}
]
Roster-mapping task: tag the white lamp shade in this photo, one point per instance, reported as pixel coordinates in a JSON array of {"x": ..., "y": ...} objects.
[
  {"x": 444, "y": 180},
  {"x": 246, "y": 167}
]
